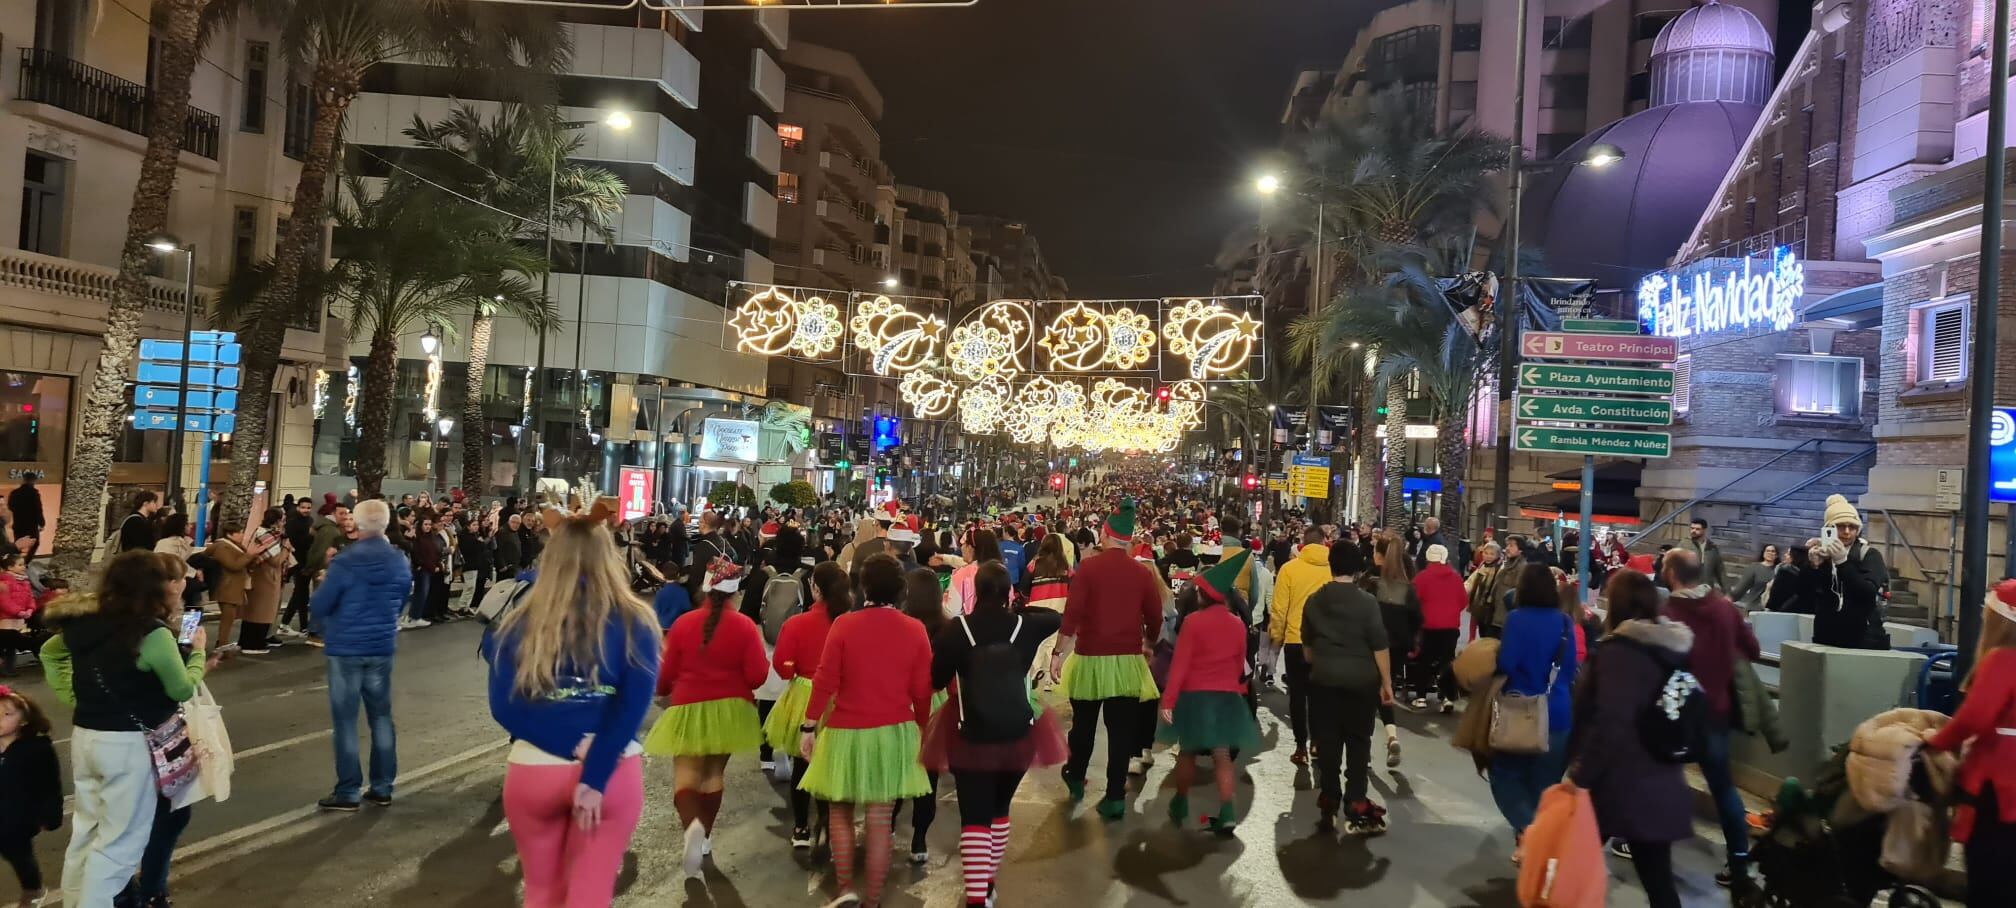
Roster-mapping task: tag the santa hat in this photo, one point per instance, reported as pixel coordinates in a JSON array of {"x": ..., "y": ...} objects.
[
  {"x": 1120, "y": 526},
  {"x": 904, "y": 529},
  {"x": 2002, "y": 600},
  {"x": 723, "y": 576},
  {"x": 1214, "y": 583}
]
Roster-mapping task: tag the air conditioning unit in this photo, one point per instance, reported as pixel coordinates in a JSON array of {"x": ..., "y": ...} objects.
[
  {"x": 819, "y": 208},
  {"x": 819, "y": 255},
  {"x": 825, "y": 159}
]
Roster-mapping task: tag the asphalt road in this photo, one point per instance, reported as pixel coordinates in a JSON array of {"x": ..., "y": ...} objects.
[{"x": 445, "y": 842}]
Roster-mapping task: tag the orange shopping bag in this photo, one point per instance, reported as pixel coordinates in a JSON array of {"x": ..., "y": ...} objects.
[{"x": 1563, "y": 865}]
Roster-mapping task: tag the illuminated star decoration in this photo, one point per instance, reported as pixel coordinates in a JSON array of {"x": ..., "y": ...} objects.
[
  {"x": 1216, "y": 340},
  {"x": 1130, "y": 339},
  {"x": 765, "y": 322},
  {"x": 1076, "y": 340},
  {"x": 929, "y": 396},
  {"x": 898, "y": 340}
]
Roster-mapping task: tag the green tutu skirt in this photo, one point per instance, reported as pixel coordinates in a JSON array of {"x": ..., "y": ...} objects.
[
  {"x": 1206, "y": 720},
  {"x": 866, "y": 765},
  {"x": 1107, "y": 677},
  {"x": 706, "y": 728},
  {"x": 788, "y": 716}
]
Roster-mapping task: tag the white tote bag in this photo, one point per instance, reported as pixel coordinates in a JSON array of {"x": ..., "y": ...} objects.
[{"x": 212, "y": 742}]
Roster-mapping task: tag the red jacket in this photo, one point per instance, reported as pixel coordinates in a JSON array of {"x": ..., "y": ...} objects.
[
  {"x": 730, "y": 665},
  {"x": 1987, "y": 718},
  {"x": 800, "y": 643},
  {"x": 876, "y": 671},
  {"x": 1442, "y": 596},
  {"x": 1721, "y": 636},
  {"x": 17, "y": 598},
  {"x": 1115, "y": 606},
  {"x": 1210, "y": 655}
]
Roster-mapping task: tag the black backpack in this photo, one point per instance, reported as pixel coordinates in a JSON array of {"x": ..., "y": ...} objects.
[
  {"x": 994, "y": 690},
  {"x": 1674, "y": 726}
]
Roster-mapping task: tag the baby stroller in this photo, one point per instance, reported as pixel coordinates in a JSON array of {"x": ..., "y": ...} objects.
[{"x": 1819, "y": 849}]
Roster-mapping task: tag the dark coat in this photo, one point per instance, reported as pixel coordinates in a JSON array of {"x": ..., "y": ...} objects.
[{"x": 1638, "y": 798}]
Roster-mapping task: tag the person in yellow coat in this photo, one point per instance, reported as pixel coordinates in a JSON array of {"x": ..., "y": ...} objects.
[{"x": 1299, "y": 579}]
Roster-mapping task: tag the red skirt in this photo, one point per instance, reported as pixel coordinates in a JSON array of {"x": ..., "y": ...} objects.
[{"x": 945, "y": 750}]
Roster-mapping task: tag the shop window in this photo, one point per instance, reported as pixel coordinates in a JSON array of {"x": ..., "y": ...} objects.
[
  {"x": 43, "y": 184},
  {"x": 1819, "y": 385},
  {"x": 787, "y": 188},
  {"x": 1683, "y": 383},
  {"x": 252, "y": 116},
  {"x": 1942, "y": 341},
  {"x": 791, "y": 135},
  {"x": 34, "y": 410}
]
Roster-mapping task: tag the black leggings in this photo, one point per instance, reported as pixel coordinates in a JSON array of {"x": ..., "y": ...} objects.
[
  {"x": 1298, "y": 694},
  {"x": 1125, "y": 719},
  {"x": 1991, "y": 854},
  {"x": 766, "y": 753},
  {"x": 984, "y": 796},
  {"x": 926, "y": 813},
  {"x": 19, "y": 853},
  {"x": 801, "y": 800},
  {"x": 1654, "y": 861}
]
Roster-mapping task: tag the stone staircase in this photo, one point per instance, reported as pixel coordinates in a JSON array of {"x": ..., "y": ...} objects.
[{"x": 1796, "y": 519}]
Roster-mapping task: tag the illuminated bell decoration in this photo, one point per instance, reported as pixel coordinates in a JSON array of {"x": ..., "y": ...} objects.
[
  {"x": 929, "y": 396},
  {"x": 1215, "y": 340},
  {"x": 898, "y": 340}
]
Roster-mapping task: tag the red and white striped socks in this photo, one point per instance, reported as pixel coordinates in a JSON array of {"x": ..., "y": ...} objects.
[{"x": 981, "y": 851}]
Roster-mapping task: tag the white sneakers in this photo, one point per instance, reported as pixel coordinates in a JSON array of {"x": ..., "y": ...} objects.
[
  {"x": 696, "y": 849},
  {"x": 407, "y": 624}
]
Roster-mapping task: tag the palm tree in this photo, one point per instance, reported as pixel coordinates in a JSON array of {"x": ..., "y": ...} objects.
[
  {"x": 179, "y": 28},
  {"x": 414, "y": 259},
  {"x": 336, "y": 42},
  {"x": 506, "y": 162}
]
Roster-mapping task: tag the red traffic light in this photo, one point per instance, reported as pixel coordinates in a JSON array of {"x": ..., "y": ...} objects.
[
  {"x": 1162, "y": 394},
  {"x": 1057, "y": 480}
]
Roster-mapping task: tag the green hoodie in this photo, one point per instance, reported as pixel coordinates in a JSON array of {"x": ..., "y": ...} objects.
[{"x": 325, "y": 535}]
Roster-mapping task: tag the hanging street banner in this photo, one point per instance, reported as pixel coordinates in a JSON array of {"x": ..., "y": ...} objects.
[
  {"x": 1600, "y": 326},
  {"x": 1598, "y": 379},
  {"x": 1607, "y": 347},
  {"x": 1621, "y": 410},
  {"x": 1593, "y": 442}
]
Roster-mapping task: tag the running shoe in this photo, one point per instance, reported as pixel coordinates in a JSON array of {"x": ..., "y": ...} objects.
[
  {"x": 1113, "y": 808},
  {"x": 801, "y": 838},
  {"x": 695, "y": 853},
  {"x": 1392, "y": 752},
  {"x": 1420, "y": 703}
]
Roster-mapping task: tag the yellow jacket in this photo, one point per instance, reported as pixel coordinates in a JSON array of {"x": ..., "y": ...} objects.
[{"x": 1299, "y": 579}]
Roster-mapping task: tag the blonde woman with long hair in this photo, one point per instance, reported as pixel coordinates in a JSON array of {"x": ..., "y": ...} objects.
[{"x": 572, "y": 669}]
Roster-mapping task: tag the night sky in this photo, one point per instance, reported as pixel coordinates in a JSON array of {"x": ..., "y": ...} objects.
[{"x": 1125, "y": 132}]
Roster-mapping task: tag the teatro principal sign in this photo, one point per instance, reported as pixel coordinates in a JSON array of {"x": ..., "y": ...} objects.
[{"x": 1723, "y": 295}]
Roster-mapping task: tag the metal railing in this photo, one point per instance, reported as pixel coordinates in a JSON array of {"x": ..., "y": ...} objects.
[
  {"x": 50, "y": 78},
  {"x": 1645, "y": 535}
]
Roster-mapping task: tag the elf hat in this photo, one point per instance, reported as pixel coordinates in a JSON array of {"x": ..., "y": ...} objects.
[
  {"x": 1120, "y": 526},
  {"x": 1213, "y": 584}
]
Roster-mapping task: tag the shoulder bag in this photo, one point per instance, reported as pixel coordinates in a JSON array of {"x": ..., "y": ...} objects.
[
  {"x": 175, "y": 770},
  {"x": 1519, "y": 721}
]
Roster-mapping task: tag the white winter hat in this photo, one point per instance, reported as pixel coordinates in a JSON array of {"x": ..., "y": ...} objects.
[{"x": 1438, "y": 554}]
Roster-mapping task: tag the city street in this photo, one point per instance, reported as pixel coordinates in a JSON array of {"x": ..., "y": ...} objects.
[{"x": 444, "y": 843}]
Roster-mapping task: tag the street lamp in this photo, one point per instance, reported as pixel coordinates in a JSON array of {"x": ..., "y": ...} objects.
[
  {"x": 1267, "y": 184},
  {"x": 430, "y": 342},
  {"x": 443, "y": 426},
  {"x": 619, "y": 121},
  {"x": 890, "y": 283},
  {"x": 167, "y": 245}
]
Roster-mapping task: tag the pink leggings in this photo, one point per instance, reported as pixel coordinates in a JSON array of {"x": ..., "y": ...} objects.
[{"x": 565, "y": 867}]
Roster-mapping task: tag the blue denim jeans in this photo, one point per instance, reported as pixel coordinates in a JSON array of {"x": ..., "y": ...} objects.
[
  {"x": 423, "y": 583},
  {"x": 1518, "y": 780},
  {"x": 369, "y": 679},
  {"x": 1722, "y": 787}
]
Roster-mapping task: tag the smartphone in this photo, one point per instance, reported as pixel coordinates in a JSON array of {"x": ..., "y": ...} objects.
[
  {"x": 191, "y": 620},
  {"x": 1830, "y": 534}
]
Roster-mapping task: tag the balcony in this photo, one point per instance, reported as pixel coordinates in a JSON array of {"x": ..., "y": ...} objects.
[
  {"x": 49, "y": 274},
  {"x": 53, "y": 79}
]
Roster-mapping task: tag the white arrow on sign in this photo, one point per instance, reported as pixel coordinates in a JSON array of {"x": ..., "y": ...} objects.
[
  {"x": 1526, "y": 436},
  {"x": 1530, "y": 374},
  {"x": 1526, "y": 406}
]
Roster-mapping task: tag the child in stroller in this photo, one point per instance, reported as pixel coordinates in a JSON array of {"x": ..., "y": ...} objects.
[{"x": 1819, "y": 849}]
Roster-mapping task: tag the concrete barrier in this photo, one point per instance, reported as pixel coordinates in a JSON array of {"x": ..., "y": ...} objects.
[{"x": 1823, "y": 693}]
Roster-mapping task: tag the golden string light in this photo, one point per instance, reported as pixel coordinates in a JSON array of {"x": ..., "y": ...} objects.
[
  {"x": 929, "y": 396},
  {"x": 981, "y": 351},
  {"x": 898, "y": 340},
  {"x": 982, "y": 406},
  {"x": 1216, "y": 341},
  {"x": 772, "y": 322}
]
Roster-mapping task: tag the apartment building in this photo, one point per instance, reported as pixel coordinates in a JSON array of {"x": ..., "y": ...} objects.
[
  {"x": 76, "y": 88},
  {"x": 639, "y": 362},
  {"x": 1013, "y": 250}
]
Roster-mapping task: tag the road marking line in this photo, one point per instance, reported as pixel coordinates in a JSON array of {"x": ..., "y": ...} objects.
[{"x": 276, "y": 745}]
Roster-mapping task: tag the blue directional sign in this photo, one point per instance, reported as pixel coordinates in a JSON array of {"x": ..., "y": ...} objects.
[
  {"x": 199, "y": 353},
  {"x": 199, "y": 376},
  {"x": 203, "y": 399},
  {"x": 212, "y": 383},
  {"x": 221, "y": 423}
]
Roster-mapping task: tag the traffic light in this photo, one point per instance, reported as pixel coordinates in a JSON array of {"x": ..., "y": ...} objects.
[
  {"x": 1251, "y": 482},
  {"x": 1057, "y": 481},
  {"x": 843, "y": 464},
  {"x": 1162, "y": 394},
  {"x": 1074, "y": 463}
]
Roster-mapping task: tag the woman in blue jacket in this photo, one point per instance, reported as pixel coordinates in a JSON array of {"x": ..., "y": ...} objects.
[
  {"x": 571, "y": 677},
  {"x": 1536, "y": 654}
]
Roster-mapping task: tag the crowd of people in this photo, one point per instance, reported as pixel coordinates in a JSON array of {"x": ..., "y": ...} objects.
[{"x": 867, "y": 656}]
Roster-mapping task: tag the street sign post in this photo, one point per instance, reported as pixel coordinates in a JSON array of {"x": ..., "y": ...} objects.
[
  {"x": 1309, "y": 476},
  {"x": 189, "y": 385},
  {"x": 1612, "y": 442},
  {"x": 1597, "y": 379},
  {"x": 1620, "y": 410},
  {"x": 1630, "y": 348}
]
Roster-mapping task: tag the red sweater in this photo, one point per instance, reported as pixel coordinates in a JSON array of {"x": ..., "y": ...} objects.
[
  {"x": 1210, "y": 655},
  {"x": 876, "y": 671},
  {"x": 800, "y": 643},
  {"x": 730, "y": 665},
  {"x": 1985, "y": 718},
  {"x": 1442, "y": 596},
  {"x": 1115, "y": 606}
]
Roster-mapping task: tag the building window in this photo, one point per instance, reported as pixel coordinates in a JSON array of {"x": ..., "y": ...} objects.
[
  {"x": 1466, "y": 36},
  {"x": 1649, "y": 24},
  {"x": 1462, "y": 96},
  {"x": 1419, "y": 98},
  {"x": 1819, "y": 385},
  {"x": 787, "y": 188},
  {"x": 42, "y": 187},
  {"x": 909, "y": 243},
  {"x": 244, "y": 238},
  {"x": 56, "y": 26},
  {"x": 1564, "y": 92},
  {"x": 791, "y": 135},
  {"x": 1943, "y": 340},
  {"x": 34, "y": 409},
  {"x": 1640, "y": 90},
  {"x": 1683, "y": 383},
  {"x": 252, "y": 118},
  {"x": 1565, "y": 33},
  {"x": 300, "y": 124},
  {"x": 1408, "y": 55}
]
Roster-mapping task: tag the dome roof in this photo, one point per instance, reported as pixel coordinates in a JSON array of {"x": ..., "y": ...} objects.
[
  {"x": 1617, "y": 223},
  {"x": 1713, "y": 26}
]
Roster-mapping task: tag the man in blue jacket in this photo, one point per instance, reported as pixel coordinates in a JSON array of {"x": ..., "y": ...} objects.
[{"x": 357, "y": 606}]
